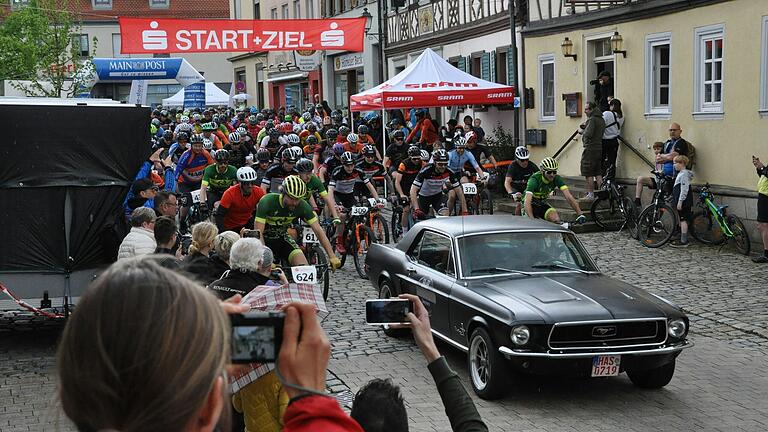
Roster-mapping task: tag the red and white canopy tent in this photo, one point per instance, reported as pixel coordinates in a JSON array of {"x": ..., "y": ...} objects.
[{"x": 431, "y": 81}]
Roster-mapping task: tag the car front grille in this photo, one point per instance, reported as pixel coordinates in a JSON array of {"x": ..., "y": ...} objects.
[{"x": 602, "y": 334}]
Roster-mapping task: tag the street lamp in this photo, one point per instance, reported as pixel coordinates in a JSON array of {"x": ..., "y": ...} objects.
[
  {"x": 567, "y": 47},
  {"x": 616, "y": 42},
  {"x": 368, "y": 20}
]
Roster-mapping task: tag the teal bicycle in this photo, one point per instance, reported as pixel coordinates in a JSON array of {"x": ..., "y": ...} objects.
[{"x": 713, "y": 226}]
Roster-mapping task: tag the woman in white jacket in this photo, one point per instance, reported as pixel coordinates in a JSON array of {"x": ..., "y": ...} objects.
[{"x": 141, "y": 239}]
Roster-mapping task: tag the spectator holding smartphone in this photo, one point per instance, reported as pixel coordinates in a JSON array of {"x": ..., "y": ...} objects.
[
  {"x": 147, "y": 383},
  {"x": 762, "y": 207},
  {"x": 379, "y": 395}
]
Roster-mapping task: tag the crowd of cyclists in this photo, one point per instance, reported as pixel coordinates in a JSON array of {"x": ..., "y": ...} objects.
[{"x": 265, "y": 170}]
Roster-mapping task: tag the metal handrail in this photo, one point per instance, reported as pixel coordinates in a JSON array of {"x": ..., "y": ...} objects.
[{"x": 620, "y": 138}]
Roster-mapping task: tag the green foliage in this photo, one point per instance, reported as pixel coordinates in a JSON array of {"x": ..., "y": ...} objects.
[
  {"x": 40, "y": 43},
  {"x": 502, "y": 143}
]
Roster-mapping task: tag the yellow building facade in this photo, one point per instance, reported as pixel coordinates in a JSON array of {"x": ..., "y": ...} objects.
[{"x": 702, "y": 64}]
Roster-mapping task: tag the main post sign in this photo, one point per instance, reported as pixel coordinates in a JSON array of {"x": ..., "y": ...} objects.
[{"x": 157, "y": 35}]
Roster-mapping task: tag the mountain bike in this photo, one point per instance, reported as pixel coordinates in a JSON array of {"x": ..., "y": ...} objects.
[
  {"x": 313, "y": 251},
  {"x": 396, "y": 221},
  {"x": 376, "y": 221},
  {"x": 713, "y": 226},
  {"x": 612, "y": 210},
  {"x": 357, "y": 236},
  {"x": 658, "y": 221}
]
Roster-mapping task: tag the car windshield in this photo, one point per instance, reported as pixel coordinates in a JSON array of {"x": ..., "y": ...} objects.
[{"x": 522, "y": 253}]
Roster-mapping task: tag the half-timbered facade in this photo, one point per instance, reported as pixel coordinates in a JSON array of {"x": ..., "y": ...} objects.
[
  {"x": 700, "y": 63},
  {"x": 473, "y": 35}
]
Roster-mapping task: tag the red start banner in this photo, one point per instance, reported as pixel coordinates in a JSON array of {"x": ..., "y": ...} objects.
[{"x": 158, "y": 35}]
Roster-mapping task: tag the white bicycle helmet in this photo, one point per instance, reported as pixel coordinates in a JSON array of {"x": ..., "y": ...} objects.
[
  {"x": 185, "y": 119},
  {"x": 522, "y": 153},
  {"x": 293, "y": 139},
  {"x": 297, "y": 128},
  {"x": 425, "y": 156},
  {"x": 234, "y": 138},
  {"x": 352, "y": 138},
  {"x": 246, "y": 174},
  {"x": 207, "y": 144},
  {"x": 460, "y": 142},
  {"x": 298, "y": 152}
]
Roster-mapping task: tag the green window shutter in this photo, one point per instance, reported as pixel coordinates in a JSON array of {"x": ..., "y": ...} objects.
[
  {"x": 511, "y": 67},
  {"x": 462, "y": 66},
  {"x": 493, "y": 66},
  {"x": 485, "y": 66},
  {"x": 468, "y": 65}
]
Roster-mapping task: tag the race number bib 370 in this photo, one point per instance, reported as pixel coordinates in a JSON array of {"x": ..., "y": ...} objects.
[{"x": 469, "y": 188}]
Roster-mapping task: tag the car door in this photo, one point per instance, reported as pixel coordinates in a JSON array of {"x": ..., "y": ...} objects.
[{"x": 430, "y": 274}]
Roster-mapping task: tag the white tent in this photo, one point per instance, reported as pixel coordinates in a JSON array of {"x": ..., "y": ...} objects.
[
  {"x": 213, "y": 96},
  {"x": 431, "y": 81}
]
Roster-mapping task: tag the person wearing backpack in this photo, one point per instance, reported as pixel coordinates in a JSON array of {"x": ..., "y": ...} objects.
[{"x": 614, "y": 121}]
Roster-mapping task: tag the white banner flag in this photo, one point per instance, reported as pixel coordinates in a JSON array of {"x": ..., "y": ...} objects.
[{"x": 138, "y": 93}]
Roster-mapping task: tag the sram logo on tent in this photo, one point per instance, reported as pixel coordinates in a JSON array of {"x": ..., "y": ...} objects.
[
  {"x": 451, "y": 97},
  {"x": 501, "y": 95},
  {"x": 399, "y": 98},
  {"x": 441, "y": 84}
]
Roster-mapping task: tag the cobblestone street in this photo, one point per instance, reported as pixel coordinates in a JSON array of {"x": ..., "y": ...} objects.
[{"x": 720, "y": 384}]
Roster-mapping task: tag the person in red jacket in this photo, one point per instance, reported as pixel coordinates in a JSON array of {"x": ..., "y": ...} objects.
[
  {"x": 302, "y": 367},
  {"x": 426, "y": 131}
]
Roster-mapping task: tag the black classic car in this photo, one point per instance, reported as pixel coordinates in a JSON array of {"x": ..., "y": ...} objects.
[{"x": 521, "y": 295}]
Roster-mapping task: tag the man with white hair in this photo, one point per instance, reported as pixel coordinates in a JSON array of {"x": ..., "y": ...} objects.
[{"x": 250, "y": 265}]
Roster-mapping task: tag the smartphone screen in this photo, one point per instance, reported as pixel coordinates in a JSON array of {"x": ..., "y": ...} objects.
[
  {"x": 256, "y": 337},
  {"x": 389, "y": 311}
]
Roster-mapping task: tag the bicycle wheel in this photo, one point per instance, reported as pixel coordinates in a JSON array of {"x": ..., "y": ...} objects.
[
  {"x": 607, "y": 213},
  {"x": 486, "y": 202},
  {"x": 705, "y": 228},
  {"x": 381, "y": 229},
  {"x": 360, "y": 250},
  {"x": 397, "y": 226},
  {"x": 656, "y": 225},
  {"x": 740, "y": 235},
  {"x": 630, "y": 212},
  {"x": 317, "y": 258}
]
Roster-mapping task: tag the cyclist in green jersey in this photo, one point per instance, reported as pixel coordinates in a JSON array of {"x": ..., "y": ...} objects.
[
  {"x": 217, "y": 178},
  {"x": 315, "y": 185},
  {"x": 540, "y": 186},
  {"x": 276, "y": 212}
]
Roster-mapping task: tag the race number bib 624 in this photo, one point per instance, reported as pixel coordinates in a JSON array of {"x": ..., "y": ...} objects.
[
  {"x": 469, "y": 188},
  {"x": 309, "y": 236},
  {"x": 304, "y": 274}
]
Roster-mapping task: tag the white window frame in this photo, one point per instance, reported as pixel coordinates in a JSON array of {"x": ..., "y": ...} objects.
[
  {"x": 763, "y": 109},
  {"x": 102, "y": 5},
  {"x": 273, "y": 13},
  {"x": 117, "y": 46},
  {"x": 285, "y": 11},
  {"x": 296, "y": 9},
  {"x": 542, "y": 60},
  {"x": 652, "y": 41},
  {"x": 710, "y": 111},
  {"x": 159, "y": 4}
]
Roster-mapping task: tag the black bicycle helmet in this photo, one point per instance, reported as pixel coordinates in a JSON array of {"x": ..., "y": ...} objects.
[
  {"x": 347, "y": 158},
  {"x": 414, "y": 151},
  {"x": 343, "y": 131},
  {"x": 274, "y": 133},
  {"x": 368, "y": 150},
  {"x": 221, "y": 155},
  {"x": 196, "y": 138},
  {"x": 363, "y": 130},
  {"x": 305, "y": 166},
  {"x": 398, "y": 134},
  {"x": 331, "y": 134},
  {"x": 312, "y": 140},
  {"x": 182, "y": 136},
  {"x": 440, "y": 155},
  {"x": 168, "y": 135},
  {"x": 263, "y": 155}
]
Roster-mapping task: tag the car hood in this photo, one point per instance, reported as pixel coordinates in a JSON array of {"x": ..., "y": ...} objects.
[{"x": 572, "y": 297}]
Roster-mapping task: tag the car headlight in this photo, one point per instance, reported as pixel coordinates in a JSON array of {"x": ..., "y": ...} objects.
[
  {"x": 520, "y": 335},
  {"x": 677, "y": 328}
]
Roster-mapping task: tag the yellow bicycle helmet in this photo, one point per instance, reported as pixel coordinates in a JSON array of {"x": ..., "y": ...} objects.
[
  {"x": 549, "y": 164},
  {"x": 294, "y": 187}
]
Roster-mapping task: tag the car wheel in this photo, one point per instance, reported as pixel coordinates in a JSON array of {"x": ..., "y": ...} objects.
[
  {"x": 487, "y": 368},
  {"x": 653, "y": 378},
  {"x": 387, "y": 291}
]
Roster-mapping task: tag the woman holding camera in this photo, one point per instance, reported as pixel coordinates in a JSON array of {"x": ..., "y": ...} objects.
[{"x": 148, "y": 350}]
